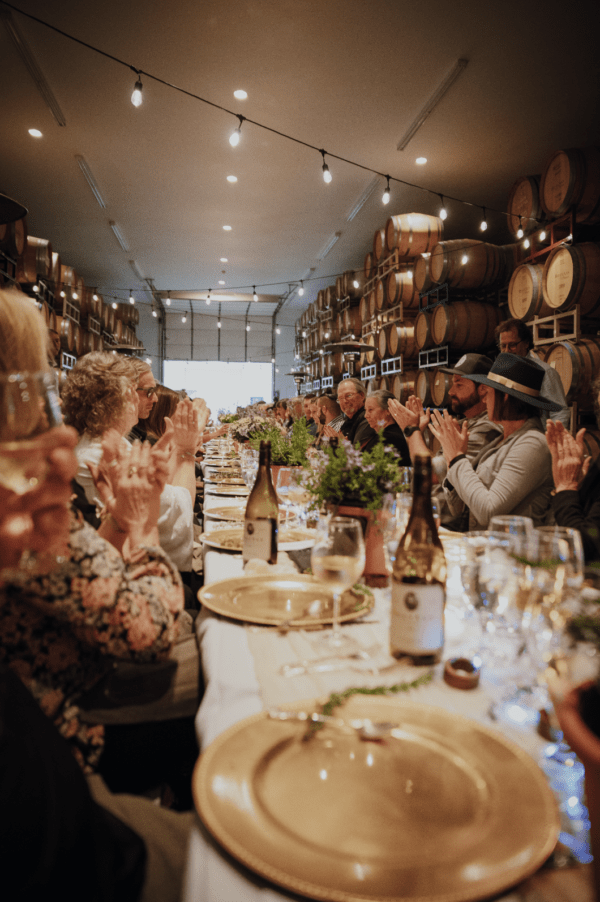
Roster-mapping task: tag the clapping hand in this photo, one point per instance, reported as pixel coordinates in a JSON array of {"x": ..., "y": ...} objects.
[
  {"x": 453, "y": 438},
  {"x": 569, "y": 463},
  {"x": 404, "y": 416}
]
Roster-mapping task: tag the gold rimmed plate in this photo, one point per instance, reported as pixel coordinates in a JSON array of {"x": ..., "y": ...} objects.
[
  {"x": 442, "y": 810},
  {"x": 290, "y": 539},
  {"x": 299, "y": 601},
  {"x": 214, "y": 489},
  {"x": 235, "y": 514}
]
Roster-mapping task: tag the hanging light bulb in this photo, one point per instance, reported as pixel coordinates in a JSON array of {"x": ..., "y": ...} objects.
[
  {"x": 278, "y": 331},
  {"x": 386, "y": 194},
  {"x": 95, "y": 295},
  {"x": 136, "y": 97},
  {"x": 74, "y": 295},
  {"x": 247, "y": 328},
  {"x": 356, "y": 283},
  {"x": 483, "y": 225},
  {"x": 184, "y": 318},
  {"x": 114, "y": 305},
  {"x": 208, "y": 297},
  {"x": 520, "y": 229},
  {"x": 169, "y": 299},
  {"x": 326, "y": 172},
  {"x": 543, "y": 235},
  {"x": 154, "y": 314},
  {"x": 464, "y": 259},
  {"x": 36, "y": 288},
  {"x": 62, "y": 294},
  {"x": 272, "y": 360},
  {"x": 218, "y": 324},
  {"x": 526, "y": 243},
  {"x": 234, "y": 137},
  {"x": 254, "y": 294},
  {"x": 443, "y": 212},
  {"x": 301, "y": 289}
]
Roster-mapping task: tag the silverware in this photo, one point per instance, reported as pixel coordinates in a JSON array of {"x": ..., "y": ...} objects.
[{"x": 365, "y": 727}]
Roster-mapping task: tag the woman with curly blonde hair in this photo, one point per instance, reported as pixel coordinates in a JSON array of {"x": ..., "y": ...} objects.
[{"x": 99, "y": 394}]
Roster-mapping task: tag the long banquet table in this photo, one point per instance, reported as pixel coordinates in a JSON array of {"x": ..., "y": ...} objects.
[{"x": 241, "y": 670}]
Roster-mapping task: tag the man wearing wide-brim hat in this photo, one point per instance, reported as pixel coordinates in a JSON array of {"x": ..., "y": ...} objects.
[{"x": 512, "y": 474}]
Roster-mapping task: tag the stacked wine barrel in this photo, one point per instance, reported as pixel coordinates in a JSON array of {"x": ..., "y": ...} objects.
[
  {"x": 561, "y": 278},
  {"x": 84, "y": 321}
]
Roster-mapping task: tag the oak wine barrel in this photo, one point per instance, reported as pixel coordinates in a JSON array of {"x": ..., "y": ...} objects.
[
  {"x": 379, "y": 248},
  {"x": 400, "y": 288},
  {"x": 369, "y": 266},
  {"x": 400, "y": 339},
  {"x": 465, "y": 325},
  {"x": 424, "y": 387},
  {"x": 525, "y": 295},
  {"x": 440, "y": 388},
  {"x": 577, "y": 365},
  {"x": 384, "y": 383},
  {"x": 330, "y": 297},
  {"x": 367, "y": 357},
  {"x": 380, "y": 295},
  {"x": 363, "y": 308},
  {"x": 372, "y": 298},
  {"x": 571, "y": 178},
  {"x": 353, "y": 282},
  {"x": 403, "y": 385},
  {"x": 572, "y": 276},
  {"x": 413, "y": 233},
  {"x": 524, "y": 206},
  {"x": 339, "y": 287},
  {"x": 352, "y": 321},
  {"x": 423, "y": 332},
  {"x": 465, "y": 263},
  {"x": 36, "y": 260},
  {"x": 64, "y": 327},
  {"x": 422, "y": 276},
  {"x": 336, "y": 364}
]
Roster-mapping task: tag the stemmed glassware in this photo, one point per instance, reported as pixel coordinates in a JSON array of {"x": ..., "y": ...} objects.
[{"x": 338, "y": 560}]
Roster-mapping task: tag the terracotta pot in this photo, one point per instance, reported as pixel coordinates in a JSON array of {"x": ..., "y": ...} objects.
[
  {"x": 586, "y": 746},
  {"x": 375, "y": 573}
]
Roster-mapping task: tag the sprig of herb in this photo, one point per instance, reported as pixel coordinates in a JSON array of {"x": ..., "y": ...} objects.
[{"x": 338, "y": 698}]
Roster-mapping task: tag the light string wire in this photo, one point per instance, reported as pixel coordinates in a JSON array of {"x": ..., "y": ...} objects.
[{"x": 223, "y": 109}]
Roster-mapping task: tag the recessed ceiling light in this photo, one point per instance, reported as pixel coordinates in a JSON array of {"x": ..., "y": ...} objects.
[
  {"x": 224, "y": 260},
  {"x": 221, "y": 282},
  {"x": 420, "y": 161},
  {"x": 232, "y": 178},
  {"x": 227, "y": 228},
  {"x": 35, "y": 133},
  {"x": 241, "y": 95}
]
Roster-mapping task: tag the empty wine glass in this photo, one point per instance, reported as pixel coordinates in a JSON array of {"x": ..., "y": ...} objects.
[
  {"x": 338, "y": 560},
  {"x": 283, "y": 492},
  {"x": 516, "y": 526}
]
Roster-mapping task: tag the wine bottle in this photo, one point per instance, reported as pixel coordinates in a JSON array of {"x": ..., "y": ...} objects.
[
  {"x": 419, "y": 579},
  {"x": 261, "y": 518}
]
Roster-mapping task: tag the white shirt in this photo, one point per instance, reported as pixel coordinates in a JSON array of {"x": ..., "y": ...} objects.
[{"x": 175, "y": 529}]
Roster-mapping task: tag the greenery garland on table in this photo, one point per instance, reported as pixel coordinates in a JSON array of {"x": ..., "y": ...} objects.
[{"x": 338, "y": 698}]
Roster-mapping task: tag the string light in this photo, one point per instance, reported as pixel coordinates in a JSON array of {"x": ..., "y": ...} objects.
[
  {"x": 443, "y": 212},
  {"x": 326, "y": 172},
  {"x": 95, "y": 295},
  {"x": 169, "y": 299},
  {"x": 154, "y": 314},
  {"x": 483, "y": 226},
  {"x": 254, "y": 294},
  {"x": 36, "y": 288},
  {"x": 131, "y": 297},
  {"x": 464, "y": 259},
  {"x": 278, "y": 331},
  {"x": 386, "y": 194},
  {"x": 208, "y": 297},
  {"x": 520, "y": 229},
  {"x": 247, "y": 328},
  {"x": 136, "y": 97},
  {"x": 184, "y": 318},
  {"x": 526, "y": 243},
  {"x": 234, "y": 137},
  {"x": 543, "y": 235},
  {"x": 114, "y": 305},
  {"x": 301, "y": 289},
  {"x": 218, "y": 324}
]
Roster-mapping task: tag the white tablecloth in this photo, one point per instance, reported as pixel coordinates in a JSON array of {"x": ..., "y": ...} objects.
[{"x": 233, "y": 692}]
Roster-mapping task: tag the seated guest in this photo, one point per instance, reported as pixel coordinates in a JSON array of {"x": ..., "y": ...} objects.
[
  {"x": 351, "y": 397},
  {"x": 99, "y": 394},
  {"x": 164, "y": 404},
  {"x": 378, "y": 417},
  {"x": 512, "y": 474},
  {"x": 329, "y": 417},
  {"x": 576, "y": 502},
  {"x": 282, "y": 414},
  {"x": 309, "y": 413},
  {"x": 515, "y": 337},
  {"x": 146, "y": 387}
]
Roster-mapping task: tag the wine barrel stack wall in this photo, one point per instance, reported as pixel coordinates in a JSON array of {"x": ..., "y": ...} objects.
[
  {"x": 84, "y": 321},
  {"x": 422, "y": 302}
]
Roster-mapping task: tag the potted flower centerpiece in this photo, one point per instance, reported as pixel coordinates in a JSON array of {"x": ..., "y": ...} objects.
[
  {"x": 250, "y": 427},
  {"x": 354, "y": 484},
  {"x": 227, "y": 418},
  {"x": 288, "y": 449}
]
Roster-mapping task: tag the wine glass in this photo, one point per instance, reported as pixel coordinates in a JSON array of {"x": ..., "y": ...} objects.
[
  {"x": 512, "y": 524},
  {"x": 29, "y": 407},
  {"x": 299, "y": 498},
  {"x": 338, "y": 560}
]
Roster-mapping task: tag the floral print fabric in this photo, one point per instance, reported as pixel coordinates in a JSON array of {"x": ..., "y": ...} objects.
[{"x": 60, "y": 633}]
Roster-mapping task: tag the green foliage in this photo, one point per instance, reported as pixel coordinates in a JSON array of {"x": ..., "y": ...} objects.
[
  {"x": 287, "y": 450},
  {"x": 348, "y": 476}
]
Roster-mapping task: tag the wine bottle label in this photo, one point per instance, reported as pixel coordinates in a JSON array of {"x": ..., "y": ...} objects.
[
  {"x": 417, "y": 620},
  {"x": 258, "y": 540}
]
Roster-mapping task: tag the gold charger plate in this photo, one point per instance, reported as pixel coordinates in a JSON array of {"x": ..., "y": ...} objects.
[
  {"x": 232, "y": 539},
  {"x": 213, "y": 489},
  {"x": 270, "y": 600},
  {"x": 235, "y": 514},
  {"x": 444, "y": 810}
]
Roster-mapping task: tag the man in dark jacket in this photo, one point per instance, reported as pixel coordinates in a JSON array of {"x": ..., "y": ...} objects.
[
  {"x": 351, "y": 398},
  {"x": 379, "y": 417}
]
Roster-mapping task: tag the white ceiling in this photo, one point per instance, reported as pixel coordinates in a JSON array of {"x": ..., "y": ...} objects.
[{"x": 348, "y": 76}]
